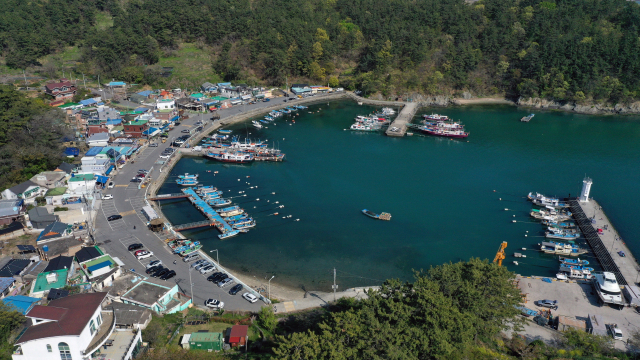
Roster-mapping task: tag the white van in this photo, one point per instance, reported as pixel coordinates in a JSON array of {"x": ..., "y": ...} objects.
[{"x": 191, "y": 257}]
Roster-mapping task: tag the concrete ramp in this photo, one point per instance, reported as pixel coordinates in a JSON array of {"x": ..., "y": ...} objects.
[{"x": 404, "y": 117}]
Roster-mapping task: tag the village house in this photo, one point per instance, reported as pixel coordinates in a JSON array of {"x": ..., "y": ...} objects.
[
  {"x": 156, "y": 296},
  {"x": 49, "y": 179},
  {"x": 60, "y": 90},
  {"x": 40, "y": 218},
  {"x": 75, "y": 327},
  {"x": 81, "y": 184},
  {"x": 27, "y": 190},
  {"x": 11, "y": 210},
  {"x": 208, "y": 87},
  {"x": 99, "y": 139},
  {"x": 135, "y": 128}
]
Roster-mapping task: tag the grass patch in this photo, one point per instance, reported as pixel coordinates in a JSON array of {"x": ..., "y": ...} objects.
[
  {"x": 103, "y": 20},
  {"x": 191, "y": 66}
]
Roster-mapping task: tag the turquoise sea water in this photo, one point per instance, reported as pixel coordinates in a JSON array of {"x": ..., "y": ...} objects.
[{"x": 440, "y": 192}]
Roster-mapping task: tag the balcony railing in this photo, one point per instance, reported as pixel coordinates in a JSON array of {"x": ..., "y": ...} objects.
[{"x": 101, "y": 337}]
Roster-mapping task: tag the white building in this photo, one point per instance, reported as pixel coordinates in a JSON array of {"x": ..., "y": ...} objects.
[
  {"x": 27, "y": 190},
  {"x": 166, "y": 104},
  {"x": 74, "y": 328},
  {"x": 81, "y": 184},
  {"x": 98, "y": 164},
  {"x": 98, "y": 139}
]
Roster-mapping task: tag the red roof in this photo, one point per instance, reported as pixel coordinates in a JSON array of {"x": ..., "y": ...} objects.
[
  {"x": 238, "y": 333},
  {"x": 70, "y": 316},
  {"x": 52, "y": 86},
  {"x": 47, "y": 312}
]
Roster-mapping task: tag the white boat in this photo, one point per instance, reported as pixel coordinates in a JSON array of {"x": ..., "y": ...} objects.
[
  {"x": 388, "y": 111},
  {"x": 607, "y": 288},
  {"x": 362, "y": 127},
  {"x": 257, "y": 124},
  {"x": 539, "y": 196}
]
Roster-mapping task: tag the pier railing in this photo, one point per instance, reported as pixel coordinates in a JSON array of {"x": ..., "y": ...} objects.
[
  {"x": 193, "y": 225},
  {"x": 594, "y": 241}
]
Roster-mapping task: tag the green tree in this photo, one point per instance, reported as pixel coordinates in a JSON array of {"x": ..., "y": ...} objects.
[
  {"x": 267, "y": 319},
  {"x": 333, "y": 82}
]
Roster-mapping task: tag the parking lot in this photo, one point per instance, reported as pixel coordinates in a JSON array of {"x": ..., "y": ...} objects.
[{"x": 578, "y": 300}]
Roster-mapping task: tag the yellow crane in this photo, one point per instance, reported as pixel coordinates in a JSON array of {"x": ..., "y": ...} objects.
[{"x": 500, "y": 254}]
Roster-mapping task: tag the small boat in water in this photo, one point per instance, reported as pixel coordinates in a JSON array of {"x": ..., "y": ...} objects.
[
  {"x": 561, "y": 224},
  {"x": 362, "y": 127},
  {"x": 578, "y": 261},
  {"x": 237, "y": 157},
  {"x": 436, "y": 117},
  {"x": 527, "y": 118},
  {"x": 539, "y": 196},
  {"x": 561, "y": 236},
  {"x": 228, "y": 234},
  {"x": 225, "y": 131},
  {"x": 219, "y": 202},
  {"x": 381, "y": 216},
  {"x": 188, "y": 176},
  {"x": 552, "y": 247},
  {"x": 569, "y": 267},
  {"x": 187, "y": 182},
  {"x": 554, "y": 203},
  {"x": 256, "y": 124}
]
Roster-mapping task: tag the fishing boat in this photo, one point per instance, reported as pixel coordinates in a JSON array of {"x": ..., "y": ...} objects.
[
  {"x": 436, "y": 117},
  {"x": 187, "y": 182},
  {"x": 361, "y": 127},
  {"x": 219, "y": 202},
  {"x": 444, "y": 125},
  {"x": 539, "y": 196},
  {"x": 574, "y": 261},
  {"x": 381, "y": 216},
  {"x": 231, "y": 157},
  {"x": 527, "y": 118},
  {"x": 569, "y": 267},
  {"x": 236, "y": 217},
  {"x": 225, "y": 131},
  {"x": 561, "y": 224},
  {"x": 188, "y": 176},
  {"x": 228, "y": 234},
  {"x": 563, "y": 230},
  {"x": 561, "y": 236},
  {"x": 554, "y": 203},
  {"x": 263, "y": 121},
  {"x": 547, "y": 214},
  {"x": 552, "y": 247},
  {"x": 240, "y": 221},
  {"x": 191, "y": 248},
  {"x": 388, "y": 111},
  {"x": 456, "y": 134},
  {"x": 257, "y": 124},
  {"x": 244, "y": 226},
  {"x": 575, "y": 274}
]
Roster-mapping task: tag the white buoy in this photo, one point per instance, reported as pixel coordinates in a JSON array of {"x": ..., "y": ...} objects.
[
  {"x": 525, "y": 235},
  {"x": 505, "y": 209},
  {"x": 513, "y": 221},
  {"x": 500, "y": 199},
  {"x": 297, "y": 219},
  {"x": 524, "y": 248},
  {"x": 514, "y": 216},
  {"x": 273, "y": 193},
  {"x": 524, "y": 255},
  {"x": 277, "y": 202},
  {"x": 258, "y": 199},
  {"x": 238, "y": 179},
  {"x": 515, "y": 263}
]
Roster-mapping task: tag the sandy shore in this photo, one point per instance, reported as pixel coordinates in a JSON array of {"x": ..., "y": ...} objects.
[{"x": 483, "y": 101}]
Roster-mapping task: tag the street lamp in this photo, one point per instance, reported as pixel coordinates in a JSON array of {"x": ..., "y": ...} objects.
[
  {"x": 270, "y": 287},
  {"x": 217, "y": 258}
]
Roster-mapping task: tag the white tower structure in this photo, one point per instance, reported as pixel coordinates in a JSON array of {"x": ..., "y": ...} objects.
[{"x": 586, "y": 188}]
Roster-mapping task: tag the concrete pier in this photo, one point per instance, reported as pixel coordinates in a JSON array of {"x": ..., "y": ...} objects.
[
  {"x": 404, "y": 117},
  {"x": 611, "y": 243}
]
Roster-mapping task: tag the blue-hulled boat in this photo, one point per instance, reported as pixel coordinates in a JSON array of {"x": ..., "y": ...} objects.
[
  {"x": 236, "y": 217},
  {"x": 561, "y": 236},
  {"x": 228, "y": 234},
  {"x": 225, "y": 131},
  {"x": 263, "y": 121},
  {"x": 568, "y": 268},
  {"x": 187, "y": 182},
  {"x": 562, "y": 224},
  {"x": 578, "y": 262},
  {"x": 188, "y": 176},
  {"x": 244, "y": 225},
  {"x": 219, "y": 202}
]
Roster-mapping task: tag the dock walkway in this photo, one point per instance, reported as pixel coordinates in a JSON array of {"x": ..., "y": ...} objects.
[
  {"x": 606, "y": 245},
  {"x": 404, "y": 117},
  {"x": 207, "y": 210}
]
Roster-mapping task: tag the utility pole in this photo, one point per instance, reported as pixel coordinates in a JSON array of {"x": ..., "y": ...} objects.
[
  {"x": 335, "y": 287},
  {"x": 270, "y": 286},
  {"x": 83, "y": 81},
  {"x": 25, "y": 78}
]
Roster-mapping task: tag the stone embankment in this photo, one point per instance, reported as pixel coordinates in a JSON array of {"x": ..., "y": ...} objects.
[{"x": 633, "y": 108}]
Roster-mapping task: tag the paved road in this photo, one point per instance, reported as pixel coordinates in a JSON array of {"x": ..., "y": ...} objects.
[{"x": 116, "y": 236}]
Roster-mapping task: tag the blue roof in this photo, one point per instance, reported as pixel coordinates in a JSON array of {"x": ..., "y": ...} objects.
[
  {"x": 224, "y": 84},
  {"x": 72, "y": 151},
  {"x": 145, "y": 93},
  {"x": 94, "y": 151},
  {"x": 5, "y": 282},
  {"x": 114, "y": 121},
  {"x": 141, "y": 109},
  {"x": 22, "y": 303},
  {"x": 117, "y": 83},
  {"x": 150, "y": 131},
  {"x": 99, "y": 265},
  {"x": 102, "y": 179},
  {"x": 88, "y": 102}
]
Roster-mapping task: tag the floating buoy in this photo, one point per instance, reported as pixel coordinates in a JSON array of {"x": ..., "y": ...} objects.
[
  {"x": 258, "y": 199},
  {"x": 515, "y": 263},
  {"x": 527, "y": 230},
  {"x": 273, "y": 193},
  {"x": 524, "y": 248},
  {"x": 514, "y": 216},
  {"x": 505, "y": 209},
  {"x": 248, "y": 176},
  {"x": 238, "y": 179},
  {"x": 525, "y": 235},
  {"x": 513, "y": 221},
  {"x": 215, "y": 172},
  {"x": 500, "y": 199}
]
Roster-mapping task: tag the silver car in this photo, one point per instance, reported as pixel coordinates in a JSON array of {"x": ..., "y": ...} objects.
[
  {"x": 198, "y": 262},
  {"x": 201, "y": 265},
  {"x": 225, "y": 282},
  {"x": 207, "y": 269}
]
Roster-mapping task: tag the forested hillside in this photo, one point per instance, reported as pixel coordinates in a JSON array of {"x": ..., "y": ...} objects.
[{"x": 564, "y": 49}]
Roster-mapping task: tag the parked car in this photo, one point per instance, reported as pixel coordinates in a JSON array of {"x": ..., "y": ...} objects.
[
  {"x": 136, "y": 179},
  {"x": 111, "y": 185},
  {"x": 107, "y": 197},
  {"x": 236, "y": 289},
  {"x": 139, "y": 252},
  {"x": 145, "y": 255},
  {"x": 266, "y": 100},
  {"x": 168, "y": 275},
  {"x": 225, "y": 282},
  {"x": 143, "y": 171},
  {"x": 203, "y": 264},
  {"x": 250, "y": 297},
  {"x": 207, "y": 269},
  {"x": 141, "y": 176},
  {"x": 198, "y": 123},
  {"x": 165, "y": 156},
  {"x": 185, "y": 131},
  {"x": 199, "y": 128},
  {"x": 135, "y": 247},
  {"x": 213, "y": 277},
  {"x": 153, "y": 269},
  {"x": 177, "y": 123},
  {"x": 114, "y": 217},
  {"x": 214, "y": 304},
  {"x": 551, "y": 304},
  {"x": 154, "y": 263},
  {"x": 198, "y": 262},
  {"x": 614, "y": 331},
  {"x": 160, "y": 272},
  {"x": 153, "y": 145}
]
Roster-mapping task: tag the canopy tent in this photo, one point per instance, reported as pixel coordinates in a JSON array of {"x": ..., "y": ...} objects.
[
  {"x": 151, "y": 131},
  {"x": 102, "y": 179}
]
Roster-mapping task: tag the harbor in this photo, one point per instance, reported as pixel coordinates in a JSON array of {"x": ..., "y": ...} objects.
[{"x": 398, "y": 127}]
